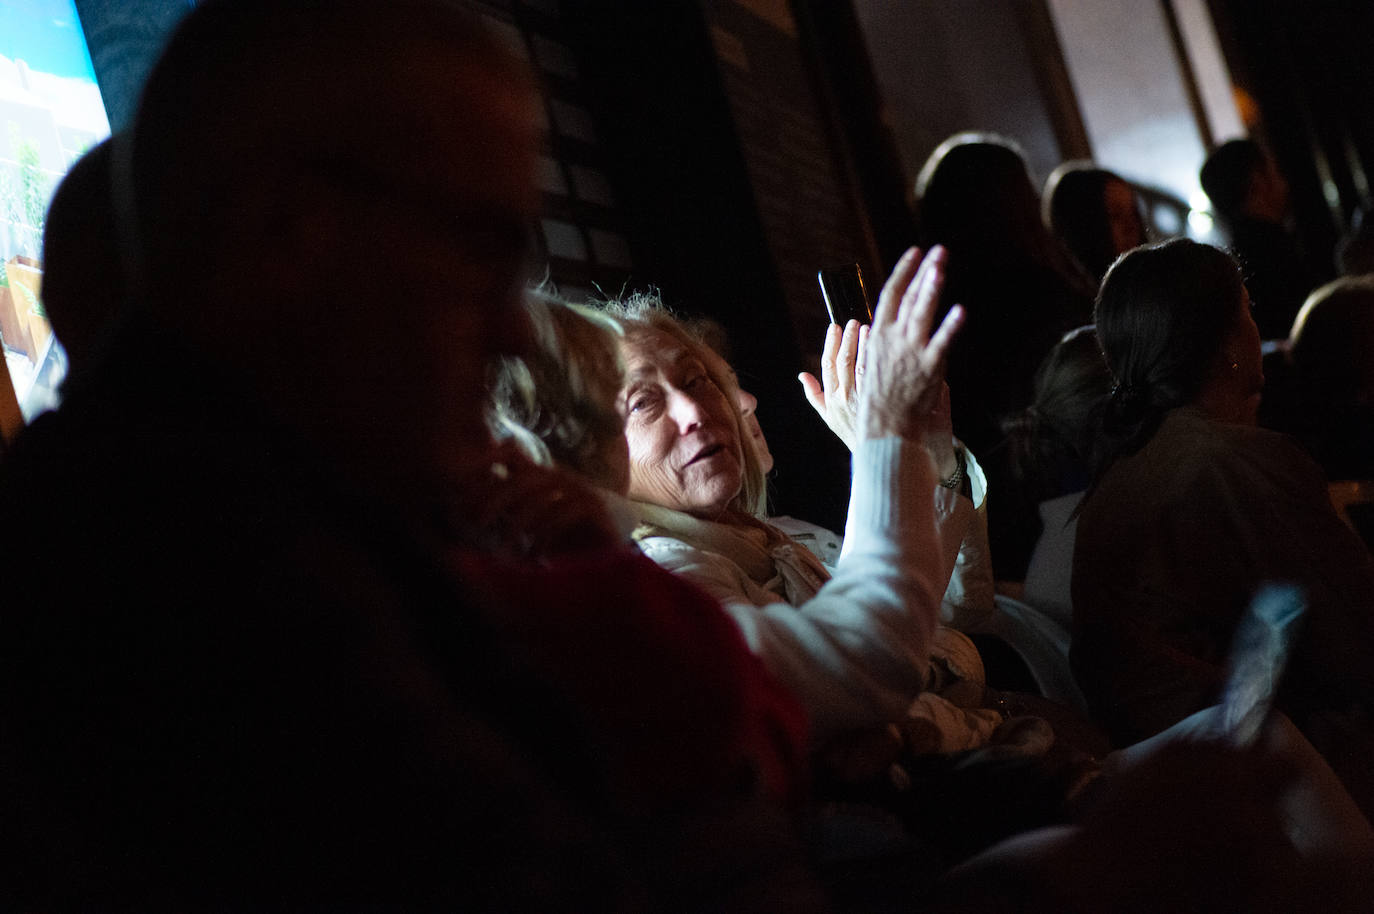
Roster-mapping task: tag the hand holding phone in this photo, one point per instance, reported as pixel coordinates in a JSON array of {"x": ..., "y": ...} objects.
[{"x": 842, "y": 288}]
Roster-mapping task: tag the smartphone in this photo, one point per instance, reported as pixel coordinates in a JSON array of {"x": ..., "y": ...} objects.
[
  {"x": 843, "y": 291},
  {"x": 1258, "y": 655}
]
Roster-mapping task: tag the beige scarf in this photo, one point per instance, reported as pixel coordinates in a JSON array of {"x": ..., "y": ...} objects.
[{"x": 772, "y": 559}]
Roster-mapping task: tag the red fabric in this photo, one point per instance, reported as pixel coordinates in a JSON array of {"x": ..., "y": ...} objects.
[{"x": 655, "y": 665}]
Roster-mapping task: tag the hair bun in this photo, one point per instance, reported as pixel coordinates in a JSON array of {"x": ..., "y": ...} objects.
[
  {"x": 1130, "y": 402},
  {"x": 1127, "y": 393}
]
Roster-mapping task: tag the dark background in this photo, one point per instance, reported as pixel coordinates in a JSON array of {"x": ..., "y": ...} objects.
[{"x": 721, "y": 151}]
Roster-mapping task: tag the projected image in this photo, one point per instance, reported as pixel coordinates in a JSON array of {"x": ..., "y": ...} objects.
[{"x": 50, "y": 113}]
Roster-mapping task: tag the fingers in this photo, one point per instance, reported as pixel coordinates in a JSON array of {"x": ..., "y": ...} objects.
[
  {"x": 937, "y": 350},
  {"x": 814, "y": 393},
  {"x": 829, "y": 353},
  {"x": 846, "y": 361},
  {"x": 859, "y": 363},
  {"x": 921, "y": 300},
  {"x": 895, "y": 288}
]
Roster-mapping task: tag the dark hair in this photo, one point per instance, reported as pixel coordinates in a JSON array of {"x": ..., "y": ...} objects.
[
  {"x": 1331, "y": 351},
  {"x": 1052, "y": 442},
  {"x": 974, "y": 191},
  {"x": 1227, "y": 174},
  {"x": 1162, "y": 315},
  {"x": 1075, "y": 209},
  {"x": 976, "y": 197}
]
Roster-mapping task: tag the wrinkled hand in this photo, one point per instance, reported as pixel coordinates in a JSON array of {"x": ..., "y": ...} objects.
[
  {"x": 904, "y": 363},
  {"x": 835, "y": 397}
]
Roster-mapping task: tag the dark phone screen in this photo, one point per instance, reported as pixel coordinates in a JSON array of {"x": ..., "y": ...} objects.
[{"x": 843, "y": 291}]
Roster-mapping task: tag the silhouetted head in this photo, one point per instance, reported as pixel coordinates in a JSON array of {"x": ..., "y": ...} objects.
[
  {"x": 1241, "y": 179},
  {"x": 84, "y": 291},
  {"x": 331, "y": 201},
  {"x": 1332, "y": 344},
  {"x": 1174, "y": 323},
  {"x": 1095, "y": 213},
  {"x": 976, "y": 198},
  {"x": 1331, "y": 351}
]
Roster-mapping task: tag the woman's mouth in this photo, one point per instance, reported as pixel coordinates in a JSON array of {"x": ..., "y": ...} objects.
[{"x": 706, "y": 453}]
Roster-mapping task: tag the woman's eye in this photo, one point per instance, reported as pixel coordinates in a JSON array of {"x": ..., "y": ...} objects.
[{"x": 640, "y": 403}]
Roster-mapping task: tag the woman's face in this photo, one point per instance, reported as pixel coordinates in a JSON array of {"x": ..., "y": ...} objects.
[
  {"x": 683, "y": 432},
  {"x": 748, "y": 406},
  {"x": 1123, "y": 215}
]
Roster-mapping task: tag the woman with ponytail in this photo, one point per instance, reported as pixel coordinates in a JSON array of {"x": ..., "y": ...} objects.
[{"x": 1193, "y": 507}]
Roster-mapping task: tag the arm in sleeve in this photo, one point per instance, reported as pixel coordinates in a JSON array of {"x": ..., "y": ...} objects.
[
  {"x": 969, "y": 597},
  {"x": 857, "y": 652}
]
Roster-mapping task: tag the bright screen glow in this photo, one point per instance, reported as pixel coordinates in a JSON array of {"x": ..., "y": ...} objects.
[{"x": 50, "y": 114}]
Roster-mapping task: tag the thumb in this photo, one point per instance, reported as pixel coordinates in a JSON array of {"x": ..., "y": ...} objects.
[{"x": 815, "y": 395}]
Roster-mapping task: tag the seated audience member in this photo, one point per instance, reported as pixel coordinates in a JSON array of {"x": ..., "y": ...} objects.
[
  {"x": 1021, "y": 289},
  {"x": 1250, "y": 196},
  {"x": 1095, "y": 213},
  {"x": 558, "y": 401},
  {"x": 959, "y": 500},
  {"x": 1331, "y": 353},
  {"x": 556, "y": 406},
  {"x": 1047, "y": 458},
  {"x": 1317, "y": 821},
  {"x": 855, "y": 647},
  {"x": 1193, "y": 508},
  {"x": 249, "y": 659},
  {"x": 84, "y": 291}
]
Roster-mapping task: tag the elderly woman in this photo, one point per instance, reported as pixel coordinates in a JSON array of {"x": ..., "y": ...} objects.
[
  {"x": 855, "y": 647},
  {"x": 551, "y": 410},
  {"x": 1194, "y": 507},
  {"x": 960, "y": 500}
]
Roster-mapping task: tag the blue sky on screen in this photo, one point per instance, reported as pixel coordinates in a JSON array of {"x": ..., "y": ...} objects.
[{"x": 45, "y": 34}]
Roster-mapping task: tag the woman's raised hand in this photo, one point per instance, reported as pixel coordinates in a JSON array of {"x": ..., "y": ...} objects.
[
  {"x": 836, "y": 395},
  {"x": 903, "y": 366}
]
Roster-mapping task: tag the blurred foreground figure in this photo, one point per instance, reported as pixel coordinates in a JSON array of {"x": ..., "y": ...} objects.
[
  {"x": 248, "y": 662},
  {"x": 84, "y": 291}
]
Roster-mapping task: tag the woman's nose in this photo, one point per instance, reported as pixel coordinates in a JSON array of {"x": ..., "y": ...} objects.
[
  {"x": 687, "y": 412},
  {"x": 747, "y": 403}
]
